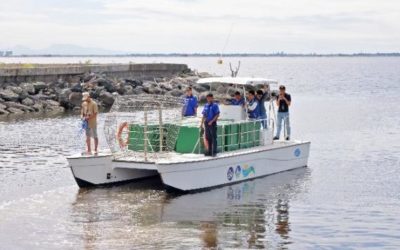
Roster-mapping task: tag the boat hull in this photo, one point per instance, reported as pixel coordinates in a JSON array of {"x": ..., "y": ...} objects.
[
  {"x": 102, "y": 170},
  {"x": 204, "y": 174}
]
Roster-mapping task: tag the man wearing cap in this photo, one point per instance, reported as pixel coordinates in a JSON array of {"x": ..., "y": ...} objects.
[
  {"x": 89, "y": 113},
  {"x": 191, "y": 104},
  {"x": 209, "y": 123},
  {"x": 283, "y": 102}
]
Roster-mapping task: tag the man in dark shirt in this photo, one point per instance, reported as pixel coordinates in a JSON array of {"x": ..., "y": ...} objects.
[
  {"x": 209, "y": 123},
  {"x": 283, "y": 102}
]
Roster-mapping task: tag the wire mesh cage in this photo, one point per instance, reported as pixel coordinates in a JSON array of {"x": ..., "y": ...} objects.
[{"x": 143, "y": 127}]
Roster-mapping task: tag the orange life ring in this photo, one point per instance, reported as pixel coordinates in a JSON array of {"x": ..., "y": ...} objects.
[{"x": 121, "y": 142}]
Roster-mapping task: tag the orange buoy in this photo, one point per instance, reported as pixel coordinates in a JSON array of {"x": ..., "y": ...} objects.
[{"x": 123, "y": 143}]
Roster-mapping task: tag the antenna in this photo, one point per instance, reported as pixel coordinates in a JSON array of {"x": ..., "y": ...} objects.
[{"x": 220, "y": 61}]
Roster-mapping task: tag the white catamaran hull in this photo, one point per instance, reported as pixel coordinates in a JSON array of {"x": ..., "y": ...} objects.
[
  {"x": 102, "y": 170},
  {"x": 202, "y": 174}
]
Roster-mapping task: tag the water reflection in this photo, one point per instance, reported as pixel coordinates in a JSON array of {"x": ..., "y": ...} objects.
[{"x": 246, "y": 215}]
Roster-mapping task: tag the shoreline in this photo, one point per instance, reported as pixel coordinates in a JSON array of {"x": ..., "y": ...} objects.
[{"x": 26, "y": 91}]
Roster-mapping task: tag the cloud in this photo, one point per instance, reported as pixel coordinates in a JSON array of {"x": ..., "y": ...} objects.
[{"x": 202, "y": 25}]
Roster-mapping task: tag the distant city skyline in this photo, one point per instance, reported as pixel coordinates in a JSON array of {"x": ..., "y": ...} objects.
[{"x": 199, "y": 26}]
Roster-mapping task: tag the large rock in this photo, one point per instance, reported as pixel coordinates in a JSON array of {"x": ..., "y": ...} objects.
[
  {"x": 120, "y": 87},
  {"x": 147, "y": 86},
  {"x": 28, "y": 87},
  {"x": 133, "y": 82},
  {"x": 14, "y": 111},
  {"x": 39, "y": 86},
  {"x": 179, "y": 81},
  {"x": 129, "y": 90},
  {"x": 76, "y": 87},
  {"x": 27, "y": 102},
  {"x": 106, "y": 84},
  {"x": 43, "y": 97},
  {"x": 138, "y": 90},
  {"x": 63, "y": 97},
  {"x": 19, "y": 106},
  {"x": 175, "y": 92},
  {"x": 156, "y": 91},
  {"x": 9, "y": 95},
  {"x": 200, "y": 88},
  {"x": 165, "y": 85},
  {"x": 2, "y": 106},
  {"x": 3, "y": 112},
  {"x": 16, "y": 90},
  {"x": 52, "y": 106},
  {"x": 38, "y": 106},
  {"x": 106, "y": 98},
  {"x": 96, "y": 92},
  {"x": 75, "y": 98}
]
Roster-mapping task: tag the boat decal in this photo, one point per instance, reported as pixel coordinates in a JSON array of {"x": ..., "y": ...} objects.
[
  {"x": 297, "y": 152},
  {"x": 238, "y": 171},
  {"x": 248, "y": 170},
  {"x": 229, "y": 175}
]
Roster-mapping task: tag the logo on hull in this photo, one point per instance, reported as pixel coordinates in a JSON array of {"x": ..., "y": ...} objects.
[
  {"x": 297, "y": 152},
  {"x": 240, "y": 171},
  {"x": 229, "y": 175}
]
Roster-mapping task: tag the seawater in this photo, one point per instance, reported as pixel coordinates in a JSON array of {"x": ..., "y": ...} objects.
[{"x": 347, "y": 198}]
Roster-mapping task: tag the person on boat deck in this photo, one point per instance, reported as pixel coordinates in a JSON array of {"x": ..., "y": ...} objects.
[
  {"x": 89, "y": 112},
  {"x": 283, "y": 102},
  {"x": 209, "y": 124},
  {"x": 237, "y": 100},
  {"x": 253, "y": 107},
  {"x": 261, "y": 96},
  {"x": 191, "y": 103}
]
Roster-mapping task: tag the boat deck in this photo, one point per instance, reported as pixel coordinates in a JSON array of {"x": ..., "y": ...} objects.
[{"x": 173, "y": 157}]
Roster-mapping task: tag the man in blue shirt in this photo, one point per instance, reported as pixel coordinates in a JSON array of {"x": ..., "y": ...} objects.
[
  {"x": 237, "y": 100},
  {"x": 191, "y": 104},
  {"x": 253, "y": 107},
  {"x": 209, "y": 123}
]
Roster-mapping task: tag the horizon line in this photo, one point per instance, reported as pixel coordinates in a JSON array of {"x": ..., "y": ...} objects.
[{"x": 173, "y": 54}]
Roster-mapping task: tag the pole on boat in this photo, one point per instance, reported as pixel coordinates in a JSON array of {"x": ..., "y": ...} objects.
[
  {"x": 145, "y": 133},
  {"x": 161, "y": 126}
]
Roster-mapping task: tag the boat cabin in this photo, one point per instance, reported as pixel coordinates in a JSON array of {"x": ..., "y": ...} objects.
[{"x": 147, "y": 127}]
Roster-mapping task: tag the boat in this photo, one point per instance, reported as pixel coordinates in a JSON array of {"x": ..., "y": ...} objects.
[{"x": 147, "y": 136}]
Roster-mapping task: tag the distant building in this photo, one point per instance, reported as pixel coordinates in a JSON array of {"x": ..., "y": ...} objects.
[
  {"x": 2, "y": 53},
  {"x": 8, "y": 53}
]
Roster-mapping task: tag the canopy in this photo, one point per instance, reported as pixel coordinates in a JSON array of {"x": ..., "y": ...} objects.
[{"x": 237, "y": 80}]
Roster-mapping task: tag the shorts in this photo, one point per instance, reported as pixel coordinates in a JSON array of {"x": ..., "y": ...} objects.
[{"x": 91, "y": 132}]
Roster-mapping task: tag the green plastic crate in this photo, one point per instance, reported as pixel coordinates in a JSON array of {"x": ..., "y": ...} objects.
[
  {"x": 137, "y": 138},
  {"x": 249, "y": 134},
  {"x": 231, "y": 137},
  {"x": 190, "y": 139}
]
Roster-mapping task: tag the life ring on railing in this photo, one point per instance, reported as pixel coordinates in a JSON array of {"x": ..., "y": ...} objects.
[{"x": 123, "y": 143}]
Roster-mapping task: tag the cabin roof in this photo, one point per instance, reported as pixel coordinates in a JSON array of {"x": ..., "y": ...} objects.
[{"x": 238, "y": 80}]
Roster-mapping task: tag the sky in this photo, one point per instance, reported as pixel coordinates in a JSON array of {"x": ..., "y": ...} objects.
[{"x": 203, "y": 26}]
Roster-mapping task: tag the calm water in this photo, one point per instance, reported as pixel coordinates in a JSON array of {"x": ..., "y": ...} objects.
[{"x": 348, "y": 197}]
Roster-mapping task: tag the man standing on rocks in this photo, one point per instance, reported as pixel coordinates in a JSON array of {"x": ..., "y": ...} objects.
[
  {"x": 191, "y": 104},
  {"x": 89, "y": 113}
]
